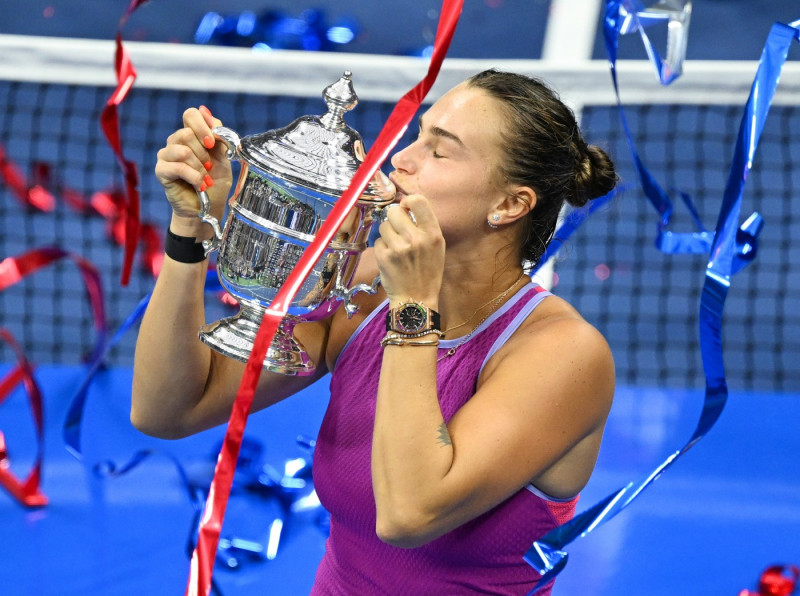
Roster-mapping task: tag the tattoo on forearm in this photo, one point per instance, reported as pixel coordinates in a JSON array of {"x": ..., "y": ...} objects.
[{"x": 444, "y": 436}]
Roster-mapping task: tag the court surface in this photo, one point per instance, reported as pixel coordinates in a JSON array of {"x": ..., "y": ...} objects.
[{"x": 725, "y": 511}]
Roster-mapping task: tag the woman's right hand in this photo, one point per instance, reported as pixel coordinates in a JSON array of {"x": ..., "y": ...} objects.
[{"x": 193, "y": 160}]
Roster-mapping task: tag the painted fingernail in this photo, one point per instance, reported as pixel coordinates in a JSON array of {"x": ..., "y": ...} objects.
[
  {"x": 206, "y": 111},
  {"x": 203, "y": 187},
  {"x": 207, "y": 165},
  {"x": 208, "y": 142},
  {"x": 208, "y": 181}
]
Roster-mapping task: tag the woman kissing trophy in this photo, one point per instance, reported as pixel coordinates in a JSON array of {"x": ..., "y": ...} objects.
[{"x": 289, "y": 181}]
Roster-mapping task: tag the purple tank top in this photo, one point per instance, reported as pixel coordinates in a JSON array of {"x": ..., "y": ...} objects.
[{"x": 484, "y": 555}]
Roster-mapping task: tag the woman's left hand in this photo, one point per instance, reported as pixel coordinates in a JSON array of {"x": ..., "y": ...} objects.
[{"x": 410, "y": 252}]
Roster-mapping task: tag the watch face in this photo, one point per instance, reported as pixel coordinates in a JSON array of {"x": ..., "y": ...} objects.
[{"x": 411, "y": 318}]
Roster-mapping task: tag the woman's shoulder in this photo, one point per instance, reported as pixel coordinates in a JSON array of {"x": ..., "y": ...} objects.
[
  {"x": 554, "y": 333},
  {"x": 558, "y": 323}
]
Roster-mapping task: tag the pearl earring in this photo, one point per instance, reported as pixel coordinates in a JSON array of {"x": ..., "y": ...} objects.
[{"x": 493, "y": 222}]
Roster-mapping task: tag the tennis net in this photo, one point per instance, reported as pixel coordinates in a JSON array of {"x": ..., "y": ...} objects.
[{"x": 646, "y": 303}]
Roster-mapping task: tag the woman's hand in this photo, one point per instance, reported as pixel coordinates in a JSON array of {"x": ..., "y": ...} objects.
[
  {"x": 410, "y": 252},
  {"x": 194, "y": 160}
]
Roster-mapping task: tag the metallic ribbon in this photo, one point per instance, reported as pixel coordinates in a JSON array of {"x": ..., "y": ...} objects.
[
  {"x": 27, "y": 491},
  {"x": 74, "y": 419},
  {"x": 110, "y": 470},
  {"x": 202, "y": 564},
  {"x": 289, "y": 487},
  {"x": 733, "y": 248},
  {"x": 777, "y": 580},
  {"x": 31, "y": 194},
  {"x": 621, "y": 16},
  {"x": 109, "y": 122},
  {"x": 635, "y": 17},
  {"x": 111, "y": 205},
  {"x": 573, "y": 220},
  {"x": 37, "y": 194},
  {"x": 15, "y": 269}
]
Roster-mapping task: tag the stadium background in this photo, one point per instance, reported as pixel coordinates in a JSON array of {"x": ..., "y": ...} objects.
[{"x": 618, "y": 286}]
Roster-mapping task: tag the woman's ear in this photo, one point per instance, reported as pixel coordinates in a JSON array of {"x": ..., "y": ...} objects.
[{"x": 515, "y": 205}]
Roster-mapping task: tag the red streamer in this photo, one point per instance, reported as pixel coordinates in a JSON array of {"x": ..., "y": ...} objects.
[
  {"x": 203, "y": 557},
  {"x": 27, "y": 491},
  {"x": 14, "y": 269},
  {"x": 777, "y": 580},
  {"x": 109, "y": 121},
  {"x": 31, "y": 194}
]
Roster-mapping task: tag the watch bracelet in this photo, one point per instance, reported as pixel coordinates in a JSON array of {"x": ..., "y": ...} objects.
[{"x": 399, "y": 339}]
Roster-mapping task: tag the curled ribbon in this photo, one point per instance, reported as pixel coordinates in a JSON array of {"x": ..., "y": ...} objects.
[
  {"x": 571, "y": 223},
  {"x": 678, "y": 13},
  {"x": 15, "y": 269},
  {"x": 109, "y": 122},
  {"x": 37, "y": 194},
  {"x": 777, "y": 580},
  {"x": 31, "y": 194},
  {"x": 74, "y": 419},
  {"x": 202, "y": 564},
  {"x": 110, "y": 470},
  {"x": 623, "y": 16},
  {"x": 26, "y": 491},
  {"x": 733, "y": 248}
]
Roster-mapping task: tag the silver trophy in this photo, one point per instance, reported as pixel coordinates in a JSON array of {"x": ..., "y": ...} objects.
[{"x": 290, "y": 180}]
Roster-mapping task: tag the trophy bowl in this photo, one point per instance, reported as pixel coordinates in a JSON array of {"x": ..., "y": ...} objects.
[{"x": 289, "y": 181}]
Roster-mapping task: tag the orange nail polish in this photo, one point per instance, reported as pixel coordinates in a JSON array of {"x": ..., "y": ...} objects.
[
  {"x": 203, "y": 187},
  {"x": 205, "y": 110},
  {"x": 207, "y": 166},
  {"x": 208, "y": 142},
  {"x": 208, "y": 181}
]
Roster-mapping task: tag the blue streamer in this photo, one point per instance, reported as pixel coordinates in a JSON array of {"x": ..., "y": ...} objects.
[
  {"x": 108, "y": 469},
  {"x": 617, "y": 14},
  {"x": 571, "y": 223},
  {"x": 732, "y": 249},
  {"x": 634, "y": 17},
  {"x": 74, "y": 418}
]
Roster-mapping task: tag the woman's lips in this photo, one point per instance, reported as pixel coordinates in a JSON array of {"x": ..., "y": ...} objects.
[{"x": 399, "y": 190}]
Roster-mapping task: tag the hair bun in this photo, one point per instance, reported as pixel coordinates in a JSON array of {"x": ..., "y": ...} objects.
[{"x": 596, "y": 176}]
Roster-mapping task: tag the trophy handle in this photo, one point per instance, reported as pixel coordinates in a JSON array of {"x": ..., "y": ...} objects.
[
  {"x": 231, "y": 140},
  {"x": 205, "y": 215},
  {"x": 379, "y": 215},
  {"x": 347, "y": 294}
]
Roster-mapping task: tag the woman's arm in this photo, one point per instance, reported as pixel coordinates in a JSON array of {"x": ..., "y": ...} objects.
[
  {"x": 538, "y": 413},
  {"x": 181, "y": 386}
]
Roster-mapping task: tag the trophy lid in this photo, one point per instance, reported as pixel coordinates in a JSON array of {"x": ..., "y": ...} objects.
[{"x": 321, "y": 153}]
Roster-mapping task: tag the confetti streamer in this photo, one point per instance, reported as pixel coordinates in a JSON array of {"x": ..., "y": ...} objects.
[
  {"x": 202, "y": 563},
  {"x": 733, "y": 248}
]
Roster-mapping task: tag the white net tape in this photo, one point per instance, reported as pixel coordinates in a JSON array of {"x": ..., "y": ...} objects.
[{"x": 382, "y": 78}]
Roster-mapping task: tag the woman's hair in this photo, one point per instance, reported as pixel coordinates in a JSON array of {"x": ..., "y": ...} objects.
[{"x": 544, "y": 149}]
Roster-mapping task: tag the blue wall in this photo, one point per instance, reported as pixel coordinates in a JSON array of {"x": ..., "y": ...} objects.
[{"x": 720, "y": 29}]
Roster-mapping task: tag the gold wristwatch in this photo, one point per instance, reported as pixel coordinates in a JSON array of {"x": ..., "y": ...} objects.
[{"x": 412, "y": 318}]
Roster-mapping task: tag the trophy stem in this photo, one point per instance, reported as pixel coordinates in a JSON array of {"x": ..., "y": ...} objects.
[{"x": 235, "y": 336}]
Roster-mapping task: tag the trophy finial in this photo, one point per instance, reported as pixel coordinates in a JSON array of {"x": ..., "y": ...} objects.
[{"x": 340, "y": 97}]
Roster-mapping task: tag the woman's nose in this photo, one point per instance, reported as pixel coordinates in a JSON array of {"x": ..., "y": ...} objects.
[{"x": 402, "y": 160}]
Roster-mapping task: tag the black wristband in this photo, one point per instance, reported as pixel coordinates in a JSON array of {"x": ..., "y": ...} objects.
[{"x": 183, "y": 249}]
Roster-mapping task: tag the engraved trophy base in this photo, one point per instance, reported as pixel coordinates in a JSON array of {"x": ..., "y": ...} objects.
[{"x": 235, "y": 336}]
